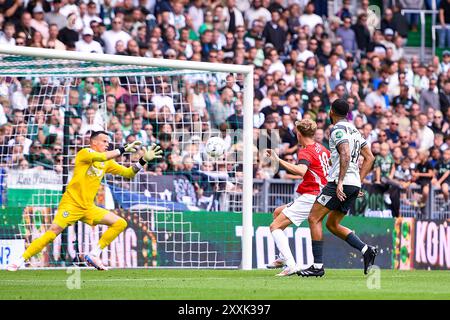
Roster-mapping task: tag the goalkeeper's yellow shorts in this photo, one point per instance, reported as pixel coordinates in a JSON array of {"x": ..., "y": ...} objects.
[{"x": 68, "y": 214}]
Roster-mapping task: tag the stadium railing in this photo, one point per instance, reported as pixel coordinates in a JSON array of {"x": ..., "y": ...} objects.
[
  {"x": 408, "y": 202},
  {"x": 437, "y": 209},
  {"x": 433, "y": 36},
  {"x": 422, "y": 14}
]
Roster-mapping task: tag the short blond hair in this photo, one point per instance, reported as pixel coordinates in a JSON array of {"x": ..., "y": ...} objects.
[{"x": 306, "y": 127}]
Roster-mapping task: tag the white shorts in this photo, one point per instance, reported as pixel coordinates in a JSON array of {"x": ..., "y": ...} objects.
[{"x": 298, "y": 210}]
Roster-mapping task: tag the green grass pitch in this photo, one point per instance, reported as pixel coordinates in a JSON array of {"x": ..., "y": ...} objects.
[{"x": 161, "y": 284}]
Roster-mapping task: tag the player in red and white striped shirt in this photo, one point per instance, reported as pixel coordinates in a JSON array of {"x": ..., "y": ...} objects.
[{"x": 313, "y": 162}]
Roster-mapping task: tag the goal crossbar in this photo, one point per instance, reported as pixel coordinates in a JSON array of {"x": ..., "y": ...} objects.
[{"x": 125, "y": 60}]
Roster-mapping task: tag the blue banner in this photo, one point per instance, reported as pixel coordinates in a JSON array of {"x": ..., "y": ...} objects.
[{"x": 135, "y": 200}]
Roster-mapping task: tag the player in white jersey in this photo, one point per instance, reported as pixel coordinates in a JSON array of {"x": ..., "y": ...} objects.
[{"x": 342, "y": 189}]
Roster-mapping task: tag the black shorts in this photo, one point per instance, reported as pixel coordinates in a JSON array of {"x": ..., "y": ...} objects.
[
  {"x": 329, "y": 199},
  {"x": 423, "y": 182}
]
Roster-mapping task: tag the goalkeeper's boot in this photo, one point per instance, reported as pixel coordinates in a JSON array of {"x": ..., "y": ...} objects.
[
  {"x": 277, "y": 264},
  {"x": 312, "y": 272},
  {"x": 287, "y": 271},
  {"x": 95, "y": 262},
  {"x": 369, "y": 258},
  {"x": 16, "y": 265},
  {"x": 12, "y": 267}
]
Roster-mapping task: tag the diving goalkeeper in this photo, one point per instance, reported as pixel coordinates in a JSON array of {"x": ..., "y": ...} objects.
[{"x": 77, "y": 202}]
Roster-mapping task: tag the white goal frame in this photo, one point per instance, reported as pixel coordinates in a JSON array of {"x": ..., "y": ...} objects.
[{"x": 247, "y": 71}]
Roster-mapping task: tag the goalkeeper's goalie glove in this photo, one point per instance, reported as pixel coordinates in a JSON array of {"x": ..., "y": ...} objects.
[
  {"x": 130, "y": 147},
  {"x": 152, "y": 152}
]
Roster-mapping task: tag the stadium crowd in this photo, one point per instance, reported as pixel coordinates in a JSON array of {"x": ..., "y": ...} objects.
[{"x": 304, "y": 57}]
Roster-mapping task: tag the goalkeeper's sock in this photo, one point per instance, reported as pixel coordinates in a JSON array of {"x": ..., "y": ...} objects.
[
  {"x": 113, "y": 231},
  {"x": 282, "y": 243},
  {"x": 96, "y": 251},
  {"x": 20, "y": 262},
  {"x": 37, "y": 245}
]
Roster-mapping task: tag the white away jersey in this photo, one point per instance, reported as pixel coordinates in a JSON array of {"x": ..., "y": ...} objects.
[{"x": 345, "y": 131}]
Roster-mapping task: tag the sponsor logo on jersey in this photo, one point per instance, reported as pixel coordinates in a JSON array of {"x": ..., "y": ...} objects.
[
  {"x": 65, "y": 214},
  {"x": 95, "y": 172},
  {"x": 339, "y": 134}
]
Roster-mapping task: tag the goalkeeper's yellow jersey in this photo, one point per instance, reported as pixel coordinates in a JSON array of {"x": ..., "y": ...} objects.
[{"x": 90, "y": 167}]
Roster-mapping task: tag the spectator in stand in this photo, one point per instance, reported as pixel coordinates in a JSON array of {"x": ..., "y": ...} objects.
[
  {"x": 444, "y": 96},
  {"x": 422, "y": 176},
  {"x": 388, "y": 20},
  {"x": 256, "y": 11},
  {"x": 430, "y": 97},
  {"x": 25, "y": 27},
  {"x": 413, "y": 18},
  {"x": 19, "y": 99},
  {"x": 400, "y": 23},
  {"x": 274, "y": 106},
  {"x": 377, "y": 97},
  {"x": 362, "y": 33},
  {"x": 439, "y": 125},
  {"x": 111, "y": 37},
  {"x": 137, "y": 131},
  {"x": 38, "y": 22},
  {"x": 441, "y": 178},
  {"x": 288, "y": 135},
  {"x": 347, "y": 35},
  {"x": 309, "y": 18},
  {"x": 223, "y": 108},
  {"x": 7, "y": 35},
  {"x": 402, "y": 180},
  {"x": 236, "y": 120},
  {"x": 444, "y": 21},
  {"x": 53, "y": 42},
  {"x": 91, "y": 14},
  {"x": 426, "y": 135},
  {"x": 87, "y": 42},
  {"x": 69, "y": 34},
  {"x": 54, "y": 16},
  {"x": 392, "y": 133},
  {"x": 274, "y": 32},
  {"x": 345, "y": 11}
]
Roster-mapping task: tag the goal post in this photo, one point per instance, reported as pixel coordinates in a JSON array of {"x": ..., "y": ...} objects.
[{"x": 63, "y": 64}]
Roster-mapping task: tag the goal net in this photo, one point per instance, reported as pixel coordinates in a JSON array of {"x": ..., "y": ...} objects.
[{"x": 184, "y": 210}]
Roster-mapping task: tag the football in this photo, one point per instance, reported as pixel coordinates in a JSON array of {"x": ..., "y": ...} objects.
[{"x": 215, "y": 147}]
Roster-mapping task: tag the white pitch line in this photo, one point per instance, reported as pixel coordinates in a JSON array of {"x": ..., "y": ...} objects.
[{"x": 113, "y": 280}]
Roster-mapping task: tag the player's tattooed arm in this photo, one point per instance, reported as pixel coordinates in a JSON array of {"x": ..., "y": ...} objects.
[
  {"x": 344, "y": 161},
  {"x": 367, "y": 163}
]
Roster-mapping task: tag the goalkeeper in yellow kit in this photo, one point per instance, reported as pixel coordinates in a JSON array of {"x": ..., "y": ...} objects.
[{"x": 77, "y": 203}]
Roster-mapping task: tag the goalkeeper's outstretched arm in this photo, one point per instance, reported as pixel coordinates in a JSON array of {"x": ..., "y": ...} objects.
[
  {"x": 98, "y": 151},
  {"x": 93, "y": 155},
  {"x": 150, "y": 153}
]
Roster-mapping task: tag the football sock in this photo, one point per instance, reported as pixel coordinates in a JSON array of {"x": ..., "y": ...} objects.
[
  {"x": 37, "y": 245},
  {"x": 96, "y": 251},
  {"x": 282, "y": 242},
  {"x": 113, "y": 231},
  {"x": 317, "y": 249},
  {"x": 20, "y": 261},
  {"x": 355, "y": 242}
]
